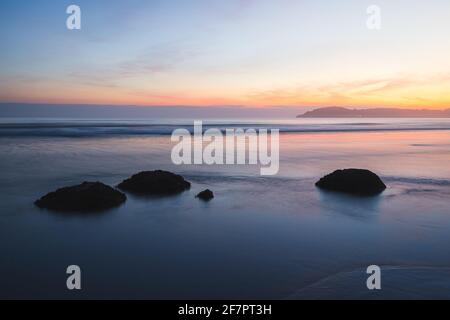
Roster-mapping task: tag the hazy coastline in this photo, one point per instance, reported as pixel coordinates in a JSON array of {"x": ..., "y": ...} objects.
[{"x": 341, "y": 112}]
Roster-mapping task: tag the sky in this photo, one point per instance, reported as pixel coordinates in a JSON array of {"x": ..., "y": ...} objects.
[{"x": 253, "y": 53}]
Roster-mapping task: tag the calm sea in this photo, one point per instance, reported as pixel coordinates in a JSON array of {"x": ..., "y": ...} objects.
[{"x": 261, "y": 237}]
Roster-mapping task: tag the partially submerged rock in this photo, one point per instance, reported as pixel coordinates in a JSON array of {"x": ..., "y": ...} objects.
[
  {"x": 88, "y": 196},
  {"x": 206, "y": 195},
  {"x": 155, "y": 183},
  {"x": 353, "y": 181}
]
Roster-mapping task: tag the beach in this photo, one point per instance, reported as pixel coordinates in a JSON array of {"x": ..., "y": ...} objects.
[{"x": 274, "y": 237}]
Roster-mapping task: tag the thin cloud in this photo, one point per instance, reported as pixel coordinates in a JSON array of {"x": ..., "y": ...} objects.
[{"x": 353, "y": 92}]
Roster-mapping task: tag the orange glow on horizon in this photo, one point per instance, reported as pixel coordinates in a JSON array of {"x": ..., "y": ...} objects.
[
  {"x": 411, "y": 98},
  {"x": 431, "y": 93}
]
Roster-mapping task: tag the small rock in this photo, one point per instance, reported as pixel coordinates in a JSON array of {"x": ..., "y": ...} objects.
[
  {"x": 88, "y": 196},
  {"x": 206, "y": 195},
  {"x": 353, "y": 181},
  {"x": 155, "y": 183}
]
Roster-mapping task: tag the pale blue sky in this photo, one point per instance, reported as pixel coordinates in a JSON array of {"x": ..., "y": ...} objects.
[{"x": 255, "y": 52}]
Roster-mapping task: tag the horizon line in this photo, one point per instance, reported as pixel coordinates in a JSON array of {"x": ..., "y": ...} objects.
[{"x": 237, "y": 106}]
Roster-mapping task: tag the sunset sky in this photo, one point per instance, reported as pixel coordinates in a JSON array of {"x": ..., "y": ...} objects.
[{"x": 235, "y": 52}]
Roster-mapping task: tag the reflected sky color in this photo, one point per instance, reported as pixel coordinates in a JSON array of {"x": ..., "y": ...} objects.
[{"x": 237, "y": 52}]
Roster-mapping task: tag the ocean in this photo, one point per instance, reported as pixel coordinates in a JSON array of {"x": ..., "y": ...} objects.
[{"x": 262, "y": 237}]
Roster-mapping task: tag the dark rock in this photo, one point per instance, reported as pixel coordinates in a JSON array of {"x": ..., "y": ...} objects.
[
  {"x": 206, "y": 195},
  {"x": 88, "y": 196},
  {"x": 353, "y": 181},
  {"x": 155, "y": 183}
]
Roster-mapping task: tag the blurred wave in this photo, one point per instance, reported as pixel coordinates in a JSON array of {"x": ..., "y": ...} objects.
[{"x": 90, "y": 128}]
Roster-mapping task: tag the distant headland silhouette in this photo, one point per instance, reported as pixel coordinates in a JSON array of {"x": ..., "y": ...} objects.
[{"x": 341, "y": 112}]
